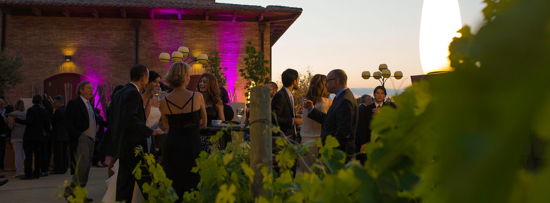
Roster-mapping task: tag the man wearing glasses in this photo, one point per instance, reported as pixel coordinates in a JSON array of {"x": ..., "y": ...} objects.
[{"x": 340, "y": 121}]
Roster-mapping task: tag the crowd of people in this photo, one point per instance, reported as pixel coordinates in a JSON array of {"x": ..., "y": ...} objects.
[{"x": 77, "y": 136}]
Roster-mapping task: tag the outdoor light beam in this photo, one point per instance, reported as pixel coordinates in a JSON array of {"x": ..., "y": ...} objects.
[
  {"x": 234, "y": 16},
  {"x": 66, "y": 12},
  {"x": 151, "y": 14},
  {"x": 179, "y": 14},
  {"x": 36, "y": 11},
  {"x": 261, "y": 17},
  {"x": 206, "y": 15},
  {"x": 95, "y": 13},
  {"x": 123, "y": 12}
]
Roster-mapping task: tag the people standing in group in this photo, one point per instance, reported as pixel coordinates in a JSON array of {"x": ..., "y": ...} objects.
[
  {"x": 98, "y": 157},
  {"x": 17, "y": 132},
  {"x": 273, "y": 88},
  {"x": 47, "y": 148},
  {"x": 60, "y": 137},
  {"x": 81, "y": 125},
  {"x": 371, "y": 110},
  {"x": 36, "y": 122},
  {"x": 362, "y": 134},
  {"x": 341, "y": 119},
  {"x": 184, "y": 113},
  {"x": 128, "y": 131},
  {"x": 311, "y": 130},
  {"x": 208, "y": 87},
  {"x": 282, "y": 104}
]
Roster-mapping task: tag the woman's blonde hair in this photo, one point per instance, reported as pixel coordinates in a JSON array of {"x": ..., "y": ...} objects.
[
  {"x": 19, "y": 105},
  {"x": 177, "y": 74}
]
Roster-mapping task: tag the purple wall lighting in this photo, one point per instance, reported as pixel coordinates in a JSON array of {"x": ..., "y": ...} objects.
[{"x": 230, "y": 44}]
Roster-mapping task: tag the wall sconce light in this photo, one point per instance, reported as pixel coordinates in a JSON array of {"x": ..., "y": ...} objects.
[{"x": 67, "y": 58}]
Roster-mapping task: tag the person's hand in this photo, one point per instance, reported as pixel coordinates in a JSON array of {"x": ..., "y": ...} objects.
[
  {"x": 157, "y": 132},
  {"x": 375, "y": 110},
  {"x": 162, "y": 126},
  {"x": 13, "y": 116},
  {"x": 298, "y": 121},
  {"x": 362, "y": 148},
  {"x": 308, "y": 104},
  {"x": 299, "y": 116}
]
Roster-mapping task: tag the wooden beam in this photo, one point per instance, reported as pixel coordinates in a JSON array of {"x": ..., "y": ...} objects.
[
  {"x": 36, "y": 11},
  {"x": 234, "y": 16},
  {"x": 123, "y": 12},
  {"x": 95, "y": 13},
  {"x": 179, "y": 14},
  {"x": 206, "y": 15},
  {"x": 66, "y": 12},
  {"x": 6, "y": 10},
  {"x": 151, "y": 14},
  {"x": 261, "y": 17}
]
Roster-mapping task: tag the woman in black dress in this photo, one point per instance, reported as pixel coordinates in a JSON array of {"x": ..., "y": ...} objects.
[
  {"x": 184, "y": 114},
  {"x": 208, "y": 86}
]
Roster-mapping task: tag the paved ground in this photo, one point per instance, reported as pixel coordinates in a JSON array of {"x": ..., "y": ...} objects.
[{"x": 43, "y": 189}]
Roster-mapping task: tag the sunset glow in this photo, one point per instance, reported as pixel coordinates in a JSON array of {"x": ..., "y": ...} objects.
[{"x": 439, "y": 22}]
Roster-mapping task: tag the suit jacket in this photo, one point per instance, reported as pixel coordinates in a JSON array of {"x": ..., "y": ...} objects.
[
  {"x": 76, "y": 118},
  {"x": 340, "y": 121},
  {"x": 36, "y": 123},
  {"x": 280, "y": 104},
  {"x": 365, "y": 124},
  {"x": 127, "y": 122},
  {"x": 59, "y": 132}
]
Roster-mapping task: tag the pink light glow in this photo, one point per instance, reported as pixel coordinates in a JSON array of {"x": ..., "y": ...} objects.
[{"x": 230, "y": 44}]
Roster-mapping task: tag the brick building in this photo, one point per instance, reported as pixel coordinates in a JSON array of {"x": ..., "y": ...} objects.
[{"x": 104, "y": 38}]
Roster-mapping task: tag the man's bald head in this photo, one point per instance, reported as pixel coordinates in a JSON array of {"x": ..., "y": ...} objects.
[{"x": 341, "y": 75}]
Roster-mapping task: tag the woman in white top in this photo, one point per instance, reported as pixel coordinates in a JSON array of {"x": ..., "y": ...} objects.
[
  {"x": 311, "y": 130},
  {"x": 17, "y": 135}
]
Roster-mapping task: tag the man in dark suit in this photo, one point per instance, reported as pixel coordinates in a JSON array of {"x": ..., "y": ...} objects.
[
  {"x": 80, "y": 123},
  {"x": 362, "y": 133},
  {"x": 99, "y": 157},
  {"x": 340, "y": 121},
  {"x": 33, "y": 138},
  {"x": 372, "y": 109},
  {"x": 128, "y": 130},
  {"x": 282, "y": 104},
  {"x": 60, "y": 137}
]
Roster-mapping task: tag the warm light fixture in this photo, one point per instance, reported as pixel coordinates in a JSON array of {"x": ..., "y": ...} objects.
[
  {"x": 202, "y": 58},
  {"x": 67, "y": 58},
  {"x": 383, "y": 75},
  {"x": 178, "y": 56}
]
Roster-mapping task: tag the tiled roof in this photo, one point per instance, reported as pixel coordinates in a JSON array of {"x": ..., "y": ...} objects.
[{"x": 155, "y": 4}]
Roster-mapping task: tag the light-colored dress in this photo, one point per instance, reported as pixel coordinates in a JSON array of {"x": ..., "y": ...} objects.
[
  {"x": 110, "y": 195},
  {"x": 311, "y": 131}
]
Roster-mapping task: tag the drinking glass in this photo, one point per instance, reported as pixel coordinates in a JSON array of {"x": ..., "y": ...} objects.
[{"x": 240, "y": 112}]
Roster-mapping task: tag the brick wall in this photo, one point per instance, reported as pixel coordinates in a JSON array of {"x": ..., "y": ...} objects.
[{"x": 104, "y": 49}]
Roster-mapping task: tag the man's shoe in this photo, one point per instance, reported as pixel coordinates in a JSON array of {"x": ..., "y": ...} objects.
[
  {"x": 2, "y": 176},
  {"x": 17, "y": 176},
  {"x": 25, "y": 177},
  {"x": 2, "y": 182},
  {"x": 43, "y": 174},
  {"x": 89, "y": 200},
  {"x": 55, "y": 172}
]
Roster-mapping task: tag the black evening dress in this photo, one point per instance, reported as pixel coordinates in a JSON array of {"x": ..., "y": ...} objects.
[{"x": 182, "y": 147}]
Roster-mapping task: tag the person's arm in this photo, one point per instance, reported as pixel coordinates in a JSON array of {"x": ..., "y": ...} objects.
[
  {"x": 10, "y": 122},
  {"x": 317, "y": 115},
  {"x": 277, "y": 106},
  {"x": 131, "y": 107},
  {"x": 69, "y": 118},
  {"x": 146, "y": 104},
  {"x": 163, "y": 108},
  {"x": 30, "y": 117},
  {"x": 221, "y": 116},
  {"x": 204, "y": 119},
  {"x": 344, "y": 119}
]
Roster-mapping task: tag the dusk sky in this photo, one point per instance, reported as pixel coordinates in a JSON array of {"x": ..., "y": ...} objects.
[{"x": 356, "y": 36}]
